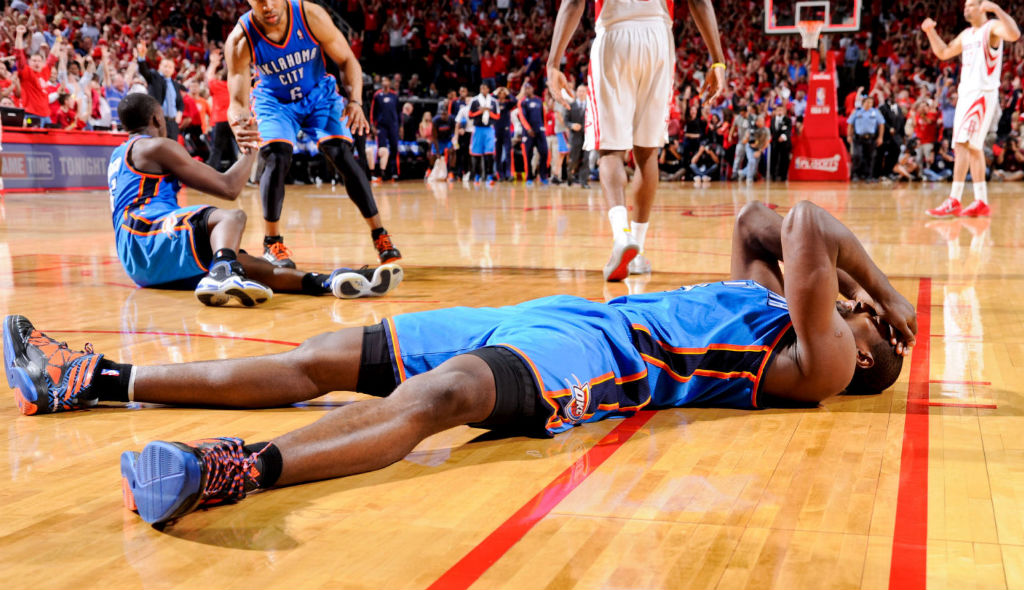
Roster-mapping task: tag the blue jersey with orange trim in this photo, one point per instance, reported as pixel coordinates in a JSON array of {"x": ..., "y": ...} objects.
[
  {"x": 289, "y": 70},
  {"x": 706, "y": 344},
  {"x": 136, "y": 196}
]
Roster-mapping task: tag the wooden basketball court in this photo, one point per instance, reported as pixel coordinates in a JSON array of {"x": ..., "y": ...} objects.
[{"x": 919, "y": 487}]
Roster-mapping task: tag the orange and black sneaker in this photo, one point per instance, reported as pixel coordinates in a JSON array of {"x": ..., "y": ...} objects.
[
  {"x": 385, "y": 249},
  {"x": 276, "y": 253},
  {"x": 167, "y": 480},
  {"x": 47, "y": 375}
]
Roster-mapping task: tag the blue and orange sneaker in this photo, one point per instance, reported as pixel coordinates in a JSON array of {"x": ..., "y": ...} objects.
[
  {"x": 47, "y": 375},
  {"x": 167, "y": 480}
]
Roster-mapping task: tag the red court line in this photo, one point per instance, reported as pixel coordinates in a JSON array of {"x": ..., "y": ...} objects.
[
  {"x": 910, "y": 535},
  {"x": 187, "y": 334},
  {"x": 490, "y": 550},
  {"x": 960, "y": 382},
  {"x": 953, "y": 404}
]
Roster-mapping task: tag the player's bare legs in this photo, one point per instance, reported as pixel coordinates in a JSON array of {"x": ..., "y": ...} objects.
[
  {"x": 324, "y": 363},
  {"x": 962, "y": 162},
  {"x": 613, "y": 185},
  {"x": 643, "y": 189},
  {"x": 372, "y": 434}
]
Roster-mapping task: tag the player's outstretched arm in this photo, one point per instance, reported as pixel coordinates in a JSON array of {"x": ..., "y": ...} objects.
[
  {"x": 568, "y": 19},
  {"x": 939, "y": 47},
  {"x": 334, "y": 44},
  {"x": 703, "y": 12},
  {"x": 237, "y": 58},
  {"x": 1005, "y": 28},
  {"x": 170, "y": 157}
]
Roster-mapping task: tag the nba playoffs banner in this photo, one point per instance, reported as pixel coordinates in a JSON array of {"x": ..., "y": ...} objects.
[
  {"x": 818, "y": 153},
  {"x": 35, "y": 159}
]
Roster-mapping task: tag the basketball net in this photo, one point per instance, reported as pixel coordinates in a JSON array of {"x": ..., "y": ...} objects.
[{"x": 810, "y": 31}]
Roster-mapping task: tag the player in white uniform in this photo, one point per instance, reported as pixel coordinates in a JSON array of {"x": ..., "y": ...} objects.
[
  {"x": 977, "y": 100},
  {"x": 632, "y": 62}
]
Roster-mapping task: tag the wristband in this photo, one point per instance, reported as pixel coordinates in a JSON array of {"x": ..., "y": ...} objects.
[
  {"x": 355, "y": 103},
  {"x": 718, "y": 65}
]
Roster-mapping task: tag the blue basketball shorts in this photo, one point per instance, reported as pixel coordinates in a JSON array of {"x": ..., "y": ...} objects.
[
  {"x": 165, "y": 247},
  {"x": 440, "y": 148},
  {"x": 482, "y": 142},
  {"x": 319, "y": 114},
  {"x": 582, "y": 361}
]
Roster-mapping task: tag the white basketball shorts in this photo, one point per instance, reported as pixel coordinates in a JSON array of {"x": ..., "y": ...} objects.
[
  {"x": 632, "y": 66},
  {"x": 975, "y": 111}
]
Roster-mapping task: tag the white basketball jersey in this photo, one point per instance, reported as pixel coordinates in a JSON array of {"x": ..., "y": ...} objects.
[
  {"x": 611, "y": 12},
  {"x": 982, "y": 65}
]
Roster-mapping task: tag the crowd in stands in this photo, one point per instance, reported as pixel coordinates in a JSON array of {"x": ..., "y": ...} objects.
[{"x": 69, "y": 64}]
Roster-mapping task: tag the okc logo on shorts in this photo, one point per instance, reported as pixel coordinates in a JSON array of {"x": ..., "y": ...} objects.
[{"x": 577, "y": 404}]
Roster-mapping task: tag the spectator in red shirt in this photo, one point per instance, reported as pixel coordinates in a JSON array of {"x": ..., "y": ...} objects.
[
  {"x": 223, "y": 140},
  {"x": 926, "y": 127},
  {"x": 31, "y": 73},
  {"x": 487, "y": 71}
]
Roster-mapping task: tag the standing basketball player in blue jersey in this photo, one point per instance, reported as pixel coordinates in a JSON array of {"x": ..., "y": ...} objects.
[
  {"x": 285, "y": 41},
  {"x": 483, "y": 110},
  {"x": 543, "y": 366},
  {"x": 163, "y": 245}
]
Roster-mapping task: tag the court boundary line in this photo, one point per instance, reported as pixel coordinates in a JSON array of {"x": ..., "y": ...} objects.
[
  {"x": 909, "y": 562},
  {"x": 478, "y": 560},
  {"x": 186, "y": 334}
]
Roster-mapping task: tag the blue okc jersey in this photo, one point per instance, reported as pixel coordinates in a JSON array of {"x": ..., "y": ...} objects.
[
  {"x": 706, "y": 345},
  {"x": 158, "y": 242},
  {"x": 289, "y": 70},
  {"x": 135, "y": 194}
]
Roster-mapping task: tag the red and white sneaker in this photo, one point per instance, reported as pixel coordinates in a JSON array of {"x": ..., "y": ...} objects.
[
  {"x": 949, "y": 208},
  {"x": 976, "y": 209}
]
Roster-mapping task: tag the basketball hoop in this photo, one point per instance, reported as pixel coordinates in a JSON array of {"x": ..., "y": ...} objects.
[{"x": 810, "y": 30}]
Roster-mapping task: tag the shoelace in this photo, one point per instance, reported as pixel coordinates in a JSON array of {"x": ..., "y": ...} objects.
[
  {"x": 280, "y": 251},
  {"x": 40, "y": 340},
  {"x": 383, "y": 242},
  {"x": 227, "y": 468}
]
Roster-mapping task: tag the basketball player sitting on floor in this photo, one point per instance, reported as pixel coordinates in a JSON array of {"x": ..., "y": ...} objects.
[
  {"x": 163, "y": 245},
  {"x": 539, "y": 367}
]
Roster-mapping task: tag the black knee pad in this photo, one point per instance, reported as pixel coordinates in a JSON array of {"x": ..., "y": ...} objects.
[{"x": 277, "y": 159}]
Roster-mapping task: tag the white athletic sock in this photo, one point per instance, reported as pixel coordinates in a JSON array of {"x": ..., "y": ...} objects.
[
  {"x": 639, "y": 232},
  {"x": 981, "y": 192},
  {"x": 957, "y": 192},
  {"x": 619, "y": 218},
  {"x": 131, "y": 385}
]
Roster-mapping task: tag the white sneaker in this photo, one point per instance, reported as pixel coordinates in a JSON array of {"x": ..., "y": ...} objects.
[
  {"x": 623, "y": 252},
  {"x": 347, "y": 283},
  {"x": 640, "y": 265}
]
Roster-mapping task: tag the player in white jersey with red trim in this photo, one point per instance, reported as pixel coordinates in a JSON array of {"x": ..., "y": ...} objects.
[
  {"x": 632, "y": 62},
  {"x": 977, "y": 98}
]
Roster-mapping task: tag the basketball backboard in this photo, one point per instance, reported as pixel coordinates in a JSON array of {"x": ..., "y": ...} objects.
[{"x": 839, "y": 16}]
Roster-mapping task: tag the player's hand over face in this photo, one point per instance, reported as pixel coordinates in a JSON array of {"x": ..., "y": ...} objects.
[
  {"x": 896, "y": 311},
  {"x": 928, "y": 25},
  {"x": 558, "y": 86},
  {"x": 246, "y": 134},
  {"x": 356, "y": 119},
  {"x": 714, "y": 84}
]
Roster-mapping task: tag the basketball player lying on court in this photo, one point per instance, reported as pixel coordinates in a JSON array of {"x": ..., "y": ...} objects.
[
  {"x": 161, "y": 244},
  {"x": 542, "y": 366}
]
